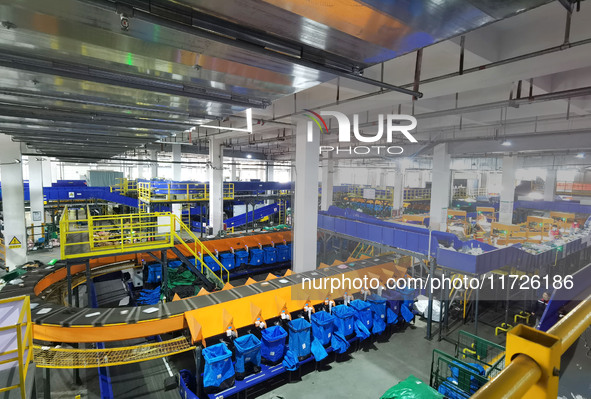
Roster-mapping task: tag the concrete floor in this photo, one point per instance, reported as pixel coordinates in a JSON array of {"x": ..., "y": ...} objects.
[{"x": 368, "y": 373}]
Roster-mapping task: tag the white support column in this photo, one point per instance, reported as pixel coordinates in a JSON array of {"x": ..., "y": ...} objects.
[
  {"x": 550, "y": 185},
  {"x": 36, "y": 195},
  {"x": 216, "y": 185},
  {"x": 154, "y": 164},
  {"x": 13, "y": 202},
  {"x": 46, "y": 169},
  {"x": 270, "y": 172},
  {"x": 327, "y": 183},
  {"x": 507, "y": 190},
  {"x": 177, "y": 209},
  {"x": 306, "y": 194},
  {"x": 234, "y": 175},
  {"x": 397, "y": 202},
  {"x": 176, "y": 158},
  {"x": 440, "y": 187}
]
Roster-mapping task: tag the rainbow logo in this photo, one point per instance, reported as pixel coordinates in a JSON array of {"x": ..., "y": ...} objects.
[{"x": 317, "y": 119}]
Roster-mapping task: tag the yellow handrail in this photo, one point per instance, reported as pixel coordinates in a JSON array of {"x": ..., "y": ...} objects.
[
  {"x": 24, "y": 343},
  {"x": 526, "y": 377},
  {"x": 198, "y": 253}
]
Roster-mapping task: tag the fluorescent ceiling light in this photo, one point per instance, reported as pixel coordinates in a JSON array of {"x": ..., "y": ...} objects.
[
  {"x": 248, "y": 124},
  {"x": 580, "y": 155},
  {"x": 506, "y": 143},
  {"x": 249, "y": 156}
]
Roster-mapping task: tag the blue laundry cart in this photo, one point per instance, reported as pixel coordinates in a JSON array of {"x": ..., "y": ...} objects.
[
  {"x": 363, "y": 312},
  {"x": 256, "y": 257},
  {"x": 218, "y": 374},
  {"x": 247, "y": 349},
  {"x": 378, "y": 310},
  {"x": 299, "y": 338},
  {"x": 241, "y": 258},
  {"x": 273, "y": 343},
  {"x": 227, "y": 259},
  {"x": 283, "y": 253},
  {"x": 270, "y": 255},
  {"x": 210, "y": 262},
  {"x": 322, "y": 326},
  {"x": 344, "y": 319}
]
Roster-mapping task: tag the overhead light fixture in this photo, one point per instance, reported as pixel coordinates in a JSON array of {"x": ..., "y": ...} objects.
[
  {"x": 249, "y": 156},
  {"x": 248, "y": 124},
  {"x": 506, "y": 143},
  {"x": 580, "y": 155}
]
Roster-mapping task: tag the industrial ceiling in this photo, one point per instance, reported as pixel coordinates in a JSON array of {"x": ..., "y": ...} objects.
[{"x": 91, "y": 79}]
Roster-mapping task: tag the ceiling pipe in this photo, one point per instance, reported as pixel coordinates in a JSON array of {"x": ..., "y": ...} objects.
[
  {"x": 90, "y": 73},
  {"x": 89, "y": 101},
  {"x": 209, "y": 34},
  {"x": 511, "y": 60}
]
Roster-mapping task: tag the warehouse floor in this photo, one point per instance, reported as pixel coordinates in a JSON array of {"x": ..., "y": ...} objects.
[{"x": 369, "y": 373}]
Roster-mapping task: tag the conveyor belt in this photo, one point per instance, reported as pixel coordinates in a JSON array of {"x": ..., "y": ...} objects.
[{"x": 56, "y": 323}]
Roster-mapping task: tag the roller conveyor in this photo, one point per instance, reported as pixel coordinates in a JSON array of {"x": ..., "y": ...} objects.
[{"x": 53, "y": 322}]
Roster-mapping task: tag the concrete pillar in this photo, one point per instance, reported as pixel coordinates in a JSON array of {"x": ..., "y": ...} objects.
[
  {"x": 36, "y": 195},
  {"x": 154, "y": 164},
  {"x": 234, "y": 174},
  {"x": 176, "y": 158},
  {"x": 383, "y": 181},
  {"x": 507, "y": 190},
  {"x": 440, "y": 187},
  {"x": 216, "y": 184},
  {"x": 397, "y": 202},
  {"x": 176, "y": 175},
  {"x": 550, "y": 185},
  {"x": 13, "y": 202},
  {"x": 46, "y": 170},
  {"x": 270, "y": 172},
  {"x": 327, "y": 183},
  {"x": 305, "y": 210}
]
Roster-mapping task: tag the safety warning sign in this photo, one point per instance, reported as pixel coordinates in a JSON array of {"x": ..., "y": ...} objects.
[{"x": 14, "y": 243}]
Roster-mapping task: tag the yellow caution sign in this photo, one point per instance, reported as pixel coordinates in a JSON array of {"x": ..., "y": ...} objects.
[{"x": 14, "y": 243}]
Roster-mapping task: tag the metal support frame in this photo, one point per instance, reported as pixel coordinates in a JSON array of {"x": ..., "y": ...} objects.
[
  {"x": 165, "y": 273},
  {"x": 432, "y": 263}
]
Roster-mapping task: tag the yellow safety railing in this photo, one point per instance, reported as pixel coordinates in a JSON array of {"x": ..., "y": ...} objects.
[
  {"x": 115, "y": 234},
  {"x": 198, "y": 250},
  {"x": 534, "y": 358},
  {"x": 23, "y": 353},
  {"x": 66, "y": 358},
  {"x": 124, "y": 186},
  {"x": 2, "y": 251},
  {"x": 162, "y": 192}
]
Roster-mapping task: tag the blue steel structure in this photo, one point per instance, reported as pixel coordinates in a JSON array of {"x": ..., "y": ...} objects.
[{"x": 416, "y": 239}]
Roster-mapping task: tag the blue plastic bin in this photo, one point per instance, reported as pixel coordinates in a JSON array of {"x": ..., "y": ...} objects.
[
  {"x": 363, "y": 312},
  {"x": 378, "y": 311},
  {"x": 290, "y": 246},
  {"x": 227, "y": 259},
  {"x": 218, "y": 374},
  {"x": 322, "y": 326},
  {"x": 211, "y": 263},
  {"x": 241, "y": 258},
  {"x": 154, "y": 273},
  {"x": 283, "y": 253},
  {"x": 256, "y": 257},
  {"x": 273, "y": 343},
  {"x": 344, "y": 319},
  {"x": 270, "y": 255},
  {"x": 187, "y": 385},
  {"x": 299, "y": 337},
  {"x": 394, "y": 300},
  {"x": 248, "y": 354},
  {"x": 173, "y": 264}
]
